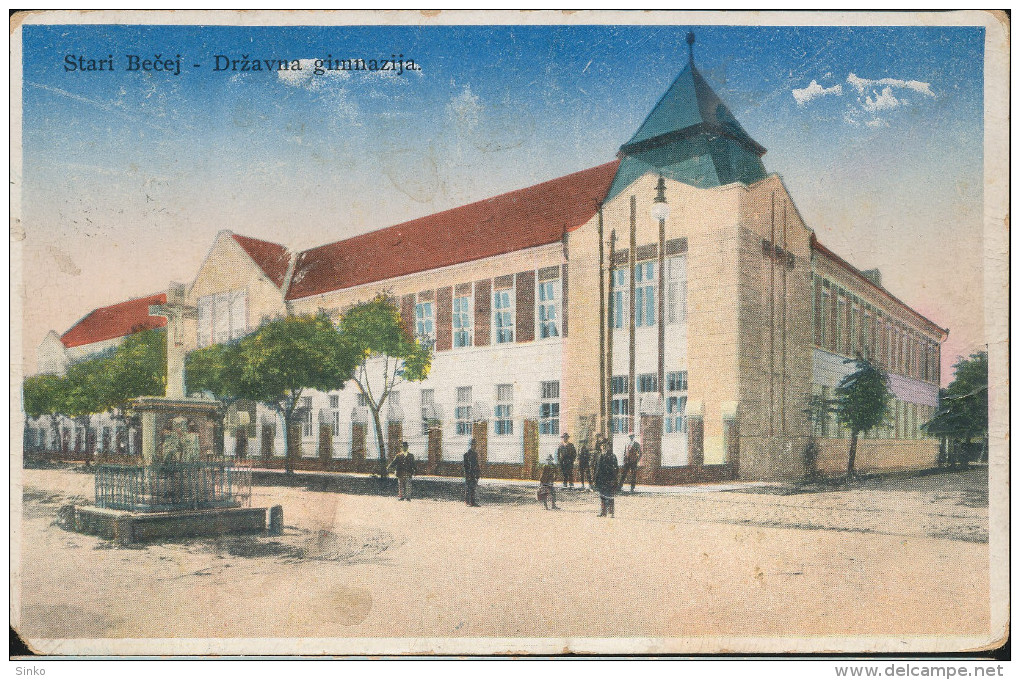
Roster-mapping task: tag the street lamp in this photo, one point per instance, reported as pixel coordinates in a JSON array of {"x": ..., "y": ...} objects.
[{"x": 660, "y": 208}]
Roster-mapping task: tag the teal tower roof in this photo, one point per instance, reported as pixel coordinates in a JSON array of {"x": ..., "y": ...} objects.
[{"x": 690, "y": 136}]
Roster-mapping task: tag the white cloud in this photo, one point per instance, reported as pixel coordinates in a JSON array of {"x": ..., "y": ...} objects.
[
  {"x": 864, "y": 84},
  {"x": 884, "y": 100},
  {"x": 877, "y": 122},
  {"x": 813, "y": 91}
]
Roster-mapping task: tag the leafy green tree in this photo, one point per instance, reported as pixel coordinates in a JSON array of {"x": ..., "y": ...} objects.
[
  {"x": 862, "y": 402},
  {"x": 215, "y": 370},
  {"x": 43, "y": 396},
  {"x": 386, "y": 353},
  {"x": 962, "y": 415},
  {"x": 137, "y": 368},
  {"x": 86, "y": 388},
  {"x": 283, "y": 358}
]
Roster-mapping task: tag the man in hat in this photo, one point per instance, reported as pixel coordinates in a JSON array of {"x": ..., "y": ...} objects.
[
  {"x": 584, "y": 466},
  {"x": 606, "y": 469},
  {"x": 631, "y": 457},
  {"x": 567, "y": 455},
  {"x": 403, "y": 465},
  {"x": 547, "y": 484},
  {"x": 472, "y": 473}
]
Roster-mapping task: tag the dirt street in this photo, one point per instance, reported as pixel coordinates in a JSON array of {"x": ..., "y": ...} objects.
[{"x": 897, "y": 557}]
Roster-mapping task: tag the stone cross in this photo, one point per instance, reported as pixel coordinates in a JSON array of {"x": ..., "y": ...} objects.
[{"x": 175, "y": 312}]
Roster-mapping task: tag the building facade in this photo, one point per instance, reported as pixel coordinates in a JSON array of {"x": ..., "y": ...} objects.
[{"x": 674, "y": 293}]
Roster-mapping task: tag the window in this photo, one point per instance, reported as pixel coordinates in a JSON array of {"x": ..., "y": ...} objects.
[
  {"x": 428, "y": 401},
  {"x": 676, "y": 290},
  {"x": 362, "y": 399},
  {"x": 306, "y": 417},
  {"x": 823, "y": 319},
  {"x": 548, "y": 301},
  {"x": 222, "y": 317},
  {"x": 676, "y": 401},
  {"x": 840, "y": 340},
  {"x": 647, "y": 382},
  {"x": 620, "y": 416},
  {"x": 549, "y": 408},
  {"x": 619, "y": 301},
  {"x": 503, "y": 315},
  {"x": 424, "y": 320},
  {"x": 462, "y": 321},
  {"x": 334, "y": 405},
  {"x": 504, "y": 409},
  {"x": 462, "y": 413},
  {"x": 644, "y": 295}
]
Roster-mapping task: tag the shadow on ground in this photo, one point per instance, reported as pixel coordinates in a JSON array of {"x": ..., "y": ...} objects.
[{"x": 423, "y": 488}]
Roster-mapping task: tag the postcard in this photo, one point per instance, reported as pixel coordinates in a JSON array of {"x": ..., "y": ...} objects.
[{"x": 509, "y": 333}]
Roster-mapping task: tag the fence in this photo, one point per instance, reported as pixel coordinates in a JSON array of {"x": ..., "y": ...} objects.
[{"x": 173, "y": 486}]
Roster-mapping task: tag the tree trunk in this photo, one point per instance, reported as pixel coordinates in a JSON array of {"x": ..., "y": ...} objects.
[
  {"x": 382, "y": 442},
  {"x": 288, "y": 462},
  {"x": 853, "y": 455}
]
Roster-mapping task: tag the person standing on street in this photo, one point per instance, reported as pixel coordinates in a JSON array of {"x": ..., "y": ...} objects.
[
  {"x": 631, "y": 457},
  {"x": 403, "y": 465},
  {"x": 584, "y": 462},
  {"x": 472, "y": 473},
  {"x": 547, "y": 484},
  {"x": 605, "y": 479},
  {"x": 567, "y": 455}
]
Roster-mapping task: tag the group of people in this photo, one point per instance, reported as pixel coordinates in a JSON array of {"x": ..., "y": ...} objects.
[{"x": 597, "y": 466}]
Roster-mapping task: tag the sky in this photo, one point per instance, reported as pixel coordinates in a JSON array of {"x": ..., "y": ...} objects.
[{"x": 127, "y": 176}]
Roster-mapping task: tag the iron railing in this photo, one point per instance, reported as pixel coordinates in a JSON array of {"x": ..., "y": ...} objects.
[{"x": 173, "y": 486}]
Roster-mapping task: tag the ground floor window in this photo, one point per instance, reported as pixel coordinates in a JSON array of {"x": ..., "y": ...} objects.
[
  {"x": 504, "y": 423},
  {"x": 676, "y": 401},
  {"x": 463, "y": 411},
  {"x": 620, "y": 405},
  {"x": 549, "y": 410},
  {"x": 428, "y": 401}
]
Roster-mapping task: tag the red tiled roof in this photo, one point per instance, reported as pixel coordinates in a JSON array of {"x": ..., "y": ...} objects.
[
  {"x": 272, "y": 258},
  {"x": 836, "y": 259},
  {"x": 115, "y": 321},
  {"x": 535, "y": 216}
]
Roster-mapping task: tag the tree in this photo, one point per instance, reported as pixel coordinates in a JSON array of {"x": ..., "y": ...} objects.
[
  {"x": 387, "y": 354},
  {"x": 962, "y": 415},
  {"x": 43, "y": 396},
  {"x": 862, "y": 401},
  {"x": 86, "y": 387},
  {"x": 284, "y": 357},
  {"x": 137, "y": 368},
  {"x": 216, "y": 370}
]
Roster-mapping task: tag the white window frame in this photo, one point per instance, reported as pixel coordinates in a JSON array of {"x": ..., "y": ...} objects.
[
  {"x": 676, "y": 402},
  {"x": 547, "y": 311},
  {"x": 425, "y": 320},
  {"x": 504, "y": 310},
  {"x": 676, "y": 290},
  {"x": 503, "y": 412},
  {"x": 464, "y": 317},
  {"x": 549, "y": 408},
  {"x": 462, "y": 412},
  {"x": 644, "y": 295}
]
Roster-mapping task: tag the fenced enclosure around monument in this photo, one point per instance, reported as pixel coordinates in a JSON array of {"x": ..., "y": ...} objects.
[{"x": 173, "y": 486}]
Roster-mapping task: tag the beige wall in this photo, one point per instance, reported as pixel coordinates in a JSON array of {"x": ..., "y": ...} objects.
[
  {"x": 228, "y": 267},
  {"x": 878, "y": 454}
]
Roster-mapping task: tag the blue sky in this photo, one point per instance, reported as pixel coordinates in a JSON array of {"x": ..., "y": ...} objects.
[{"x": 877, "y": 131}]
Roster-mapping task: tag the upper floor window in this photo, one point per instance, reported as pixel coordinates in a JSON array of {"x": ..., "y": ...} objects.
[
  {"x": 548, "y": 304},
  {"x": 462, "y": 322},
  {"x": 503, "y": 315},
  {"x": 676, "y": 290},
  {"x": 222, "y": 317},
  {"x": 647, "y": 382},
  {"x": 644, "y": 294},
  {"x": 424, "y": 320}
]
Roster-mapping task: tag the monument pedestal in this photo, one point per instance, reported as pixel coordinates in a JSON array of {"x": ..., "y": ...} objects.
[{"x": 158, "y": 415}]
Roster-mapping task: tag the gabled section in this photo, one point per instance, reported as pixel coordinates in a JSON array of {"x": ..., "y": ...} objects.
[
  {"x": 526, "y": 218},
  {"x": 115, "y": 321},
  {"x": 272, "y": 258},
  {"x": 692, "y": 137}
]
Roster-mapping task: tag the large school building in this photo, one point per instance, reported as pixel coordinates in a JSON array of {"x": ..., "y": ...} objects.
[{"x": 674, "y": 293}]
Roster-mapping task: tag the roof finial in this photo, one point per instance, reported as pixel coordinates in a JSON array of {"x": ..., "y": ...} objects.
[{"x": 690, "y": 45}]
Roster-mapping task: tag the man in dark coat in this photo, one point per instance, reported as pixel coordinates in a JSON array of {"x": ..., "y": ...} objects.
[
  {"x": 605, "y": 480},
  {"x": 631, "y": 458},
  {"x": 567, "y": 454},
  {"x": 546, "y": 484},
  {"x": 472, "y": 473},
  {"x": 403, "y": 465},
  {"x": 584, "y": 463}
]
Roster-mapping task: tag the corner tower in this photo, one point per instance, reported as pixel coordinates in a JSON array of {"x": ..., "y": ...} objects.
[{"x": 692, "y": 137}]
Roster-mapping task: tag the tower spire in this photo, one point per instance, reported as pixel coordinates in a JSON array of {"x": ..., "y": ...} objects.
[{"x": 690, "y": 45}]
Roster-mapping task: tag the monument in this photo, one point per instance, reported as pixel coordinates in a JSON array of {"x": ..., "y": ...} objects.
[{"x": 182, "y": 485}]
